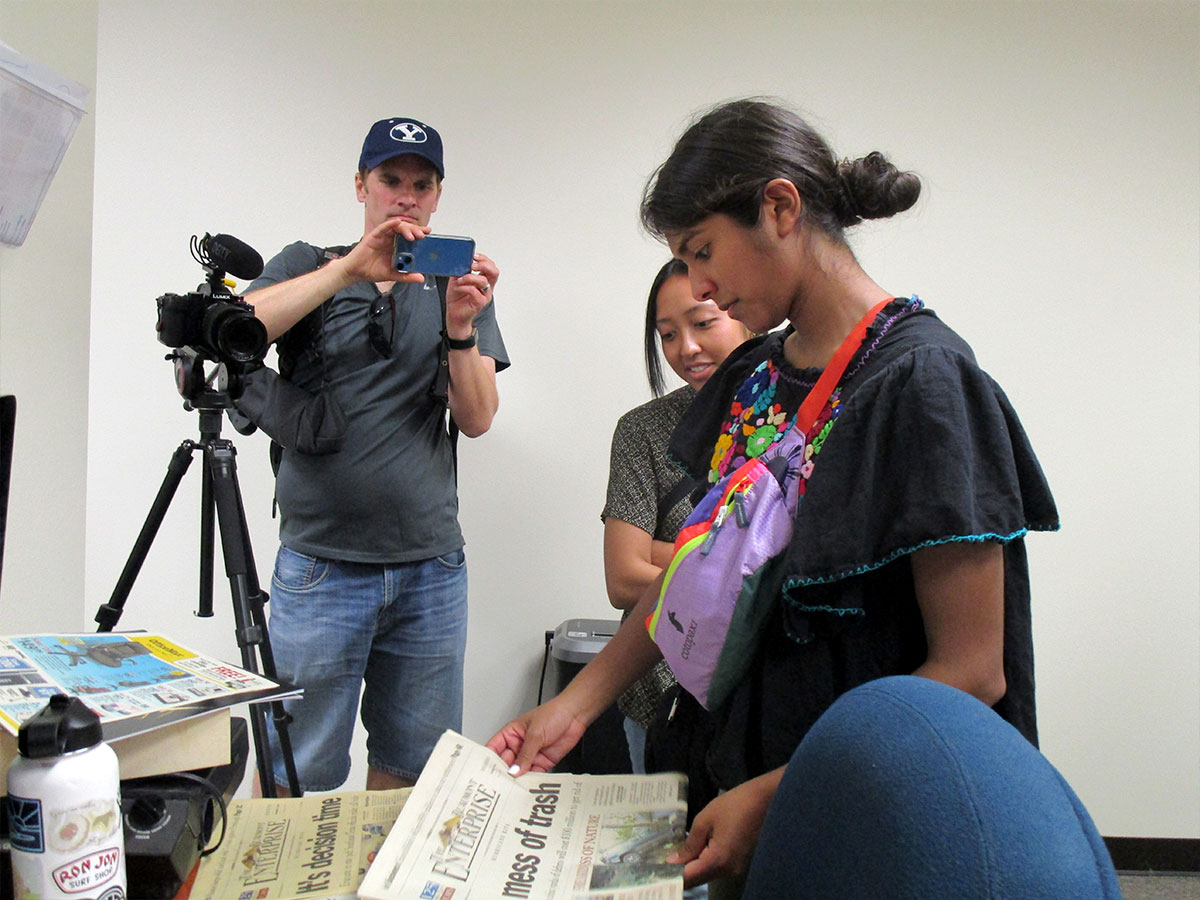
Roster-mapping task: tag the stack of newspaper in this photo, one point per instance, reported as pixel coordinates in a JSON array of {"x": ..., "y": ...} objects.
[
  {"x": 316, "y": 847},
  {"x": 163, "y": 707},
  {"x": 471, "y": 830}
]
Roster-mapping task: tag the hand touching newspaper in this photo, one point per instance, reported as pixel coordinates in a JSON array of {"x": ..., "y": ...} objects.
[
  {"x": 538, "y": 739},
  {"x": 471, "y": 830},
  {"x": 546, "y": 734}
]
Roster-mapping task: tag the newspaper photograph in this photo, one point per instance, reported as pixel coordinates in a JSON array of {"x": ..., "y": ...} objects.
[
  {"x": 119, "y": 676},
  {"x": 293, "y": 848},
  {"x": 471, "y": 831}
]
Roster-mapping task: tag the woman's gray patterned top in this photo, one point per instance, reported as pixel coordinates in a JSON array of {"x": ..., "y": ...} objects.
[{"x": 639, "y": 474}]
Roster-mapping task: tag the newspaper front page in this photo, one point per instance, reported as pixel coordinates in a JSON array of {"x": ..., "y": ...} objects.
[
  {"x": 119, "y": 676},
  {"x": 470, "y": 831},
  {"x": 302, "y": 848}
]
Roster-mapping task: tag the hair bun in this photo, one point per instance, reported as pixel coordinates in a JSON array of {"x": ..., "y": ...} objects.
[{"x": 873, "y": 188}]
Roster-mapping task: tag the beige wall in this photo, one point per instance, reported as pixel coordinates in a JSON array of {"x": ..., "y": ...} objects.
[{"x": 45, "y": 314}]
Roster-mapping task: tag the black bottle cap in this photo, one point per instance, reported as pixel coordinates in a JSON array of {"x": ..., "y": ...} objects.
[{"x": 64, "y": 725}]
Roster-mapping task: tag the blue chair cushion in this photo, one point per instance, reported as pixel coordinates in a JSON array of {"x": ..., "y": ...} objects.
[{"x": 906, "y": 787}]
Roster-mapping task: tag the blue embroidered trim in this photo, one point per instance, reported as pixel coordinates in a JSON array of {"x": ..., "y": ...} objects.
[{"x": 904, "y": 551}]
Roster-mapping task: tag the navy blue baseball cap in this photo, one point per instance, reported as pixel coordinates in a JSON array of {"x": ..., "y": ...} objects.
[{"x": 397, "y": 136}]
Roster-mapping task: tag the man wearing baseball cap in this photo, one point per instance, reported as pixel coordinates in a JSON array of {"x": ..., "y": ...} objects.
[{"x": 370, "y": 585}]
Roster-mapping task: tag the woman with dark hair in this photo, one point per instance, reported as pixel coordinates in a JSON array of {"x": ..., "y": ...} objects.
[
  {"x": 907, "y": 550},
  {"x": 648, "y": 497}
]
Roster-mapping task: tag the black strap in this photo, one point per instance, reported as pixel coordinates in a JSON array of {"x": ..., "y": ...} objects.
[
  {"x": 306, "y": 339},
  {"x": 441, "y": 381},
  {"x": 667, "y": 501}
]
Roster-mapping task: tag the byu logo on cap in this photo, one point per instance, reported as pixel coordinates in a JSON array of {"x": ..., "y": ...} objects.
[
  {"x": 398, "y": 136},
  {"x": 409, "y": 133}
]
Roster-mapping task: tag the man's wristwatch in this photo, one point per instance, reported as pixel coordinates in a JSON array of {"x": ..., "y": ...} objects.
[{"x": 465, "y": 343}]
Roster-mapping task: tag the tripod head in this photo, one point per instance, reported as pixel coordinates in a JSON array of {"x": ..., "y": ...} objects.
[{"x": 214, "y": 389}]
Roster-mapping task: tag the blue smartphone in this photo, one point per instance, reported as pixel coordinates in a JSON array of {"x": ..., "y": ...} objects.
[{"x": 434, "y": 254}]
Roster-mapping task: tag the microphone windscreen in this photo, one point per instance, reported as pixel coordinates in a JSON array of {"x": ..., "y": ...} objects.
[{"x": 236, "y": 257}]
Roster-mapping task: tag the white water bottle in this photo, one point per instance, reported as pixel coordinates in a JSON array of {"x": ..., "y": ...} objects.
[{"x": 64, "y": 808}]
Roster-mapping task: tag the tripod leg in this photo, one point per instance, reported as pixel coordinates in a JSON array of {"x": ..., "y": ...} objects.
[
  {"x": 204, "y": 608},
  {"x": 250, "y": 624},
  {"x": 109, "y": 613},
  {"x": 257, "y": 599},
  {"x": 279, "y": 715}
]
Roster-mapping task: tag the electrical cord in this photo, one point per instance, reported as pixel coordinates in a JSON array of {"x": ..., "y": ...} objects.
[
  {"x": 545, "y": 660},
  {"x": 218, "y": 797}
]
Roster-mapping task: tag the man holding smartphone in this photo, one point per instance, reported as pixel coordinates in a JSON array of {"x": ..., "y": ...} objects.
[{"x": 370, "y": 586}]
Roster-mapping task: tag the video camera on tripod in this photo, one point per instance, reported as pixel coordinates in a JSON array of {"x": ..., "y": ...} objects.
[{"x": 212, "y": 324}]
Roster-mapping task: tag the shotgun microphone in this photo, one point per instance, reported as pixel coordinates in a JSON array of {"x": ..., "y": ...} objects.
[{"x": 236, "y": 257}]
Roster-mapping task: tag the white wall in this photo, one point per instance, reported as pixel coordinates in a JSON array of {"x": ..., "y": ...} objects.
[
  {"x": 45, "y": 308},
  {"x": 1058, "y": 232}
]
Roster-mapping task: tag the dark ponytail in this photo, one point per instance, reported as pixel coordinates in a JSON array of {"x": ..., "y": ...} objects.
[{"x": 725, "y": 159}]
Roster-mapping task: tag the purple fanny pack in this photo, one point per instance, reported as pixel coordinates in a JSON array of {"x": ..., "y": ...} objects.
[{"x": 716, "y": 590}]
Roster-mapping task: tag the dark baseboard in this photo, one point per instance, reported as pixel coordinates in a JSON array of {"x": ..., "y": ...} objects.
[{"x": 1154, "y": 854}]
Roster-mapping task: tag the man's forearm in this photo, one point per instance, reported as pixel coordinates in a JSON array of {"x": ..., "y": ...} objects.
[
  {"x": 472, "y": 392},
  {"x": 280, "y": 306}
]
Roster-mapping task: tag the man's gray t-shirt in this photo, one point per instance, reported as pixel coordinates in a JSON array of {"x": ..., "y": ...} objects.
[{"x": 389, "y": 494}]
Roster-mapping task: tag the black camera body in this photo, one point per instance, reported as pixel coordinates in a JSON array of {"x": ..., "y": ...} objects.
[
  {"x": 216, "y": 323},
  {"x": 212, "y": 324}
]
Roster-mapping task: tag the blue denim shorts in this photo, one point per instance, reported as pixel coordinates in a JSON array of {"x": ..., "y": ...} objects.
[{"x": 396, "y": 632}]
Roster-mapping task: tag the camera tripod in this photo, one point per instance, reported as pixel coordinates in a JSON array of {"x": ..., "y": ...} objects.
[{"x": 219, "y": 492}]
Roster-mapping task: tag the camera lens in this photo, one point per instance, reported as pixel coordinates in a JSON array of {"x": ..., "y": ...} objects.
[{"x": 235, "y": 333}]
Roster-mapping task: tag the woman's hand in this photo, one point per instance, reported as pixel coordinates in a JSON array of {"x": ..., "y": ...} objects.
[
  {"x": 725, "y": 833},
  {"x": 538, "y": 740}
]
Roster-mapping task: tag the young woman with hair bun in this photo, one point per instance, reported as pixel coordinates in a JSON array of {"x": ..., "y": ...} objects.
[{"x": 907, "y": 555}]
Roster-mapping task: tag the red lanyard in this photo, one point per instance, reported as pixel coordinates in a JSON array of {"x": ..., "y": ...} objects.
[{"x": 819, "y": 395}]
